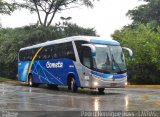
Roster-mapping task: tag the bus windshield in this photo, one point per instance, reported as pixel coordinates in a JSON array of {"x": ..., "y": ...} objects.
[{"x": 109, "y": 58}]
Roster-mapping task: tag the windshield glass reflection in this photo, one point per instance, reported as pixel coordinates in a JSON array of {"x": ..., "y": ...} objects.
[{"x": 109, "y": 58}]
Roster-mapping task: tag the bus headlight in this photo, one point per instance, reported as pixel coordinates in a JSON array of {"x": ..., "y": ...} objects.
[
  {"x": 95, "y": 83},
  {"x": 126, "y": 83}
]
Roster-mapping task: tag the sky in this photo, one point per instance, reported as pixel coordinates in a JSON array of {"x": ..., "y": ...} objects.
[{"x": 106, "y": 16}]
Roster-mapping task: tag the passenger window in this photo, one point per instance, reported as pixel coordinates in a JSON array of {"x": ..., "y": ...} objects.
[
  {"x": 69, "y": 52},
  {"x": 86, "y": 62},
  {"x": 86, "y": 58},
  {"x": 22, "y": 55},
  {"x": 79, "y": 48}
]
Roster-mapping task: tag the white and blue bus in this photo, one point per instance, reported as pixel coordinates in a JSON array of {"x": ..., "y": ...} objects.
[{"x": 77, "y": 61}]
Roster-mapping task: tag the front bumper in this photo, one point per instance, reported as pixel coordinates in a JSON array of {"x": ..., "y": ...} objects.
[{"x": 99, "y": 82}]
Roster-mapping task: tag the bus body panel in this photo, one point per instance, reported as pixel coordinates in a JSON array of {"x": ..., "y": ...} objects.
[
  {"x": 50, "y": 71},
  {"x": 84, "y": 75}
]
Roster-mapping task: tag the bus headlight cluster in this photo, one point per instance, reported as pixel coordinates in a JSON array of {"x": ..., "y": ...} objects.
[{"x": 95, "y": 83}]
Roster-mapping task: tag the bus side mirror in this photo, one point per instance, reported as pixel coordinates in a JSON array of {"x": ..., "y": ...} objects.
[{"x": 129, "y": 50}]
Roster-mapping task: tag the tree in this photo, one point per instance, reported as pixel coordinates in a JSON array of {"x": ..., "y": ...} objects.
[
  {"x": 144, "y": 68},
  {"x": 7, "y": 8},
  {"x": 50, "y": 7},
  {"x": 148, "y": 12}
]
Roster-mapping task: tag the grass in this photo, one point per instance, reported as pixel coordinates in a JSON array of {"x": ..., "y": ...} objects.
[
  {"x": 2, "y": 79},
  {"x": 143, "y": 86}
]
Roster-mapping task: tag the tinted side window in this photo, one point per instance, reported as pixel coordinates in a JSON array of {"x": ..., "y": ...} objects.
[
  {"x": 44, "y": 53},
  {"x": 63, "y": 50},
  {"x": 22, "y": 55},
  {"x": 33, "y": 52},
  {"x": 69, "y": 52},
  {"x": 79, "y": 48},
  {"x": 48, "y": 52},
  {"x": 27, "y": 55},
  {"x": 86, "y": 57}
]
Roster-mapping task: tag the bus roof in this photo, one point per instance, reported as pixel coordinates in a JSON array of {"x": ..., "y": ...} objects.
[{"x": 92, "y": 39}]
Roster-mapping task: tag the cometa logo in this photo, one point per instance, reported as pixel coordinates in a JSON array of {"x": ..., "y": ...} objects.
[{"x": 54, "y": 65}]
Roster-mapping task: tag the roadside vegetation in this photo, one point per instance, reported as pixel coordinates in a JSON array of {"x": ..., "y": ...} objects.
[{"x": 2, "y": 79}]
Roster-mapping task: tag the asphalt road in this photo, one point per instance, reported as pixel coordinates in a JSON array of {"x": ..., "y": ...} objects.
[{"x": 21, "y": 98}]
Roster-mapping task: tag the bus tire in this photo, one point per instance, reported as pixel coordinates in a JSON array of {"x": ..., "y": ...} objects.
[
  {"x": 101, "y": 90},
  {"x": 30, "y": 82},
  {"x": 72, "y": 85}
]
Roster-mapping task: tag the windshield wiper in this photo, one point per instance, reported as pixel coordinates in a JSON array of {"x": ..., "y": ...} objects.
[
  {"x": 115, "y": 63},
  {"x": 107, "y": 60}
]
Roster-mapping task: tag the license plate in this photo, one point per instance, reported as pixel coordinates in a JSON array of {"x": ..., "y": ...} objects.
[{"x": 113, "y": 84}]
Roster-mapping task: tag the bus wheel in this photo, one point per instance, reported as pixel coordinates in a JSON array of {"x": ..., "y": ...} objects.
[
  {"x": 101, "y": 90},
  {"x": 73, "y": 87},
  {"x": 30, "y": 82}
]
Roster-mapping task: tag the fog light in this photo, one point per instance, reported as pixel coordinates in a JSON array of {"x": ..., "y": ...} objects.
[{"x": 95, "y": 83}]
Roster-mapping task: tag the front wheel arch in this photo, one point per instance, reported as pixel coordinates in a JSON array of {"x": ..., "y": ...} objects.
[
  {"x": 72, "y": 83},
  {"x": 29, "y": 80},
  {"x": 69, "y": 78},
  {"x": 101, "y": 90},
  {"x": 30, "y": 74}
]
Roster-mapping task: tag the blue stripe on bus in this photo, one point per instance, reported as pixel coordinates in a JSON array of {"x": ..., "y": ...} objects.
[
  {"x": 116, "y": 76},
  {"x": 112, "y": 42}
]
